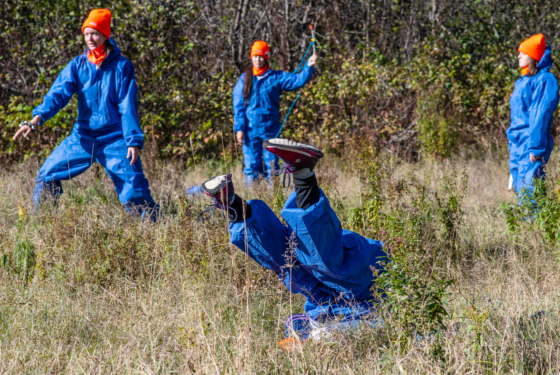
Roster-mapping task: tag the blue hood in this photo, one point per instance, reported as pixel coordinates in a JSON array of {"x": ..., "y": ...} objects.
[{"x": 546, "y": 60}]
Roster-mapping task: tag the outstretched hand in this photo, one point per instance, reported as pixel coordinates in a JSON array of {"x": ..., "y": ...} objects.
[
  {"x": 312, "y": 60},
  {"x": 134, "y": 153},
  {"x": 533, "y": 159},
  {"x": 25, "y": 130}
]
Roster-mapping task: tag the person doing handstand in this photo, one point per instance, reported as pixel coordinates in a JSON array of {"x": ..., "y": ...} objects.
[{"x": 332, "y": 266}]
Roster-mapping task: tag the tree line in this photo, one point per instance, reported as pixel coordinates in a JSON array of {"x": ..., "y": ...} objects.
[{"x": 415, "y": 77}]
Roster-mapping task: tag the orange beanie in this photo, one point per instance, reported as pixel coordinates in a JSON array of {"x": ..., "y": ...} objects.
[
  {"x": 534, "y": 47},
  {"x": 100, "y": 20},
  {"x": 260, "y": 48}
]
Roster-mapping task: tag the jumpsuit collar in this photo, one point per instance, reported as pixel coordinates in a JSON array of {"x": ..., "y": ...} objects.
[{"x": 111, "y": 57}]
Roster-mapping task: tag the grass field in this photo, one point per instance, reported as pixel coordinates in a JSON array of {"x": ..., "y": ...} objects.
[{"x": 105, "y": 293}]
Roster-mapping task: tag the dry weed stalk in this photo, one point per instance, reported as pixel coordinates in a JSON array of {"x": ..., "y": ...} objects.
[{"x": 113, "y": 295}]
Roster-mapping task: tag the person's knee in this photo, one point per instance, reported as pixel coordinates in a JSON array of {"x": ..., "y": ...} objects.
[
  {"x": 45, "y": 189},
  {"x": 253, "y": 165},
  {"x": 134, "y": 196}
]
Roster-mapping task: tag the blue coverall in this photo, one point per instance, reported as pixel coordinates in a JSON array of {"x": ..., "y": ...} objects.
[
  {"x": 330, "y": 266},
  {"x": 106, "y": 126},
  {"x": 532, "y": 103},
  {"x": 260, "y": 118}
]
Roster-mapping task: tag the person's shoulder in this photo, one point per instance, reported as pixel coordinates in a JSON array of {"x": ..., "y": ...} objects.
[
  {"x": 545, "y": 77},
  {"x": 124, "y": 62},
  {"x": 77, "y": 64},
  {"x": 124, "y": 66},
  {"x": 240, "y": 81},
  {"x": 79, "y": 60},
  {"x": 275, "y": 75},
  {"x": 274, "y": 72}
]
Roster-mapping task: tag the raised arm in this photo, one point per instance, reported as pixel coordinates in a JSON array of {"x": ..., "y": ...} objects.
[{"x": 294, "y": 82}]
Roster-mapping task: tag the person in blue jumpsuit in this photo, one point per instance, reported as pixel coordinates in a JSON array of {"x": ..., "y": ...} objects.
[
  {"x": 107, "y": 129},
  {"x": 330, "y": 266},
  {"x": 256, "y": 105},
  {"x": 533, "y": 102}
]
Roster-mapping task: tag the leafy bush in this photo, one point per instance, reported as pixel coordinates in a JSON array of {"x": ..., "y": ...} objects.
[
  {"x": 538, "y": 210},
  {"x": 422, "y": 78},
  {"x": 419, "y": 228}
]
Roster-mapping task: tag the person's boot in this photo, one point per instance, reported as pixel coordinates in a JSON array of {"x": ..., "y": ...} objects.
[
  {"x": 220, "y": 189},
  {"x": 298, "y": 157}
]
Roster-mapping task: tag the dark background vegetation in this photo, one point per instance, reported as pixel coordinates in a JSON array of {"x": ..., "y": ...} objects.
[{"x": 415, "y": 77}]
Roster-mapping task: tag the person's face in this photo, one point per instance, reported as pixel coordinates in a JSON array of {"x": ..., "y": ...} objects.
[
  {"x": 258, "y": 61},
  {"x": 524, "y": 59},
  {"x": 93, "y": 38}
]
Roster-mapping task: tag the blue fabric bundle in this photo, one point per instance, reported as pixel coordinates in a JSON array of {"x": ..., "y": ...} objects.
[{"x": 330, "y": 266}]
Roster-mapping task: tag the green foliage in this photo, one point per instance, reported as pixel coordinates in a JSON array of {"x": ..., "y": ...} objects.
[
  {"x": 477, "y": 320},
  {"x": 538, "y": 210},
  {"x": 419, "y": 228},
  {"x": 438, "y": 134},
  {"x": 21, "y": 260},
  {"x": 459, "y": 94},
  {"x": 444, "y": 85}
]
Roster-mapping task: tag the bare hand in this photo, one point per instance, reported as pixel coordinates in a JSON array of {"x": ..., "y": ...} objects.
[
  {"x": 240, "y": 137},
  {"x": 26, "y": 129},
  {"x": 133, "y": 152},
  {"x": 312, "y": 60},
  {"x": 534, "y": 158}
]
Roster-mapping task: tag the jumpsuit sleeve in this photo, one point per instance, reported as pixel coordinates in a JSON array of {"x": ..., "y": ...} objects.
[
  {"x": 59, "y": 94},
  {"x": 544, "y": 103},
  {"x": 294, "y": 82},
  {"x": 128, "y": 107},
  {"x": 239, "y": 107}
]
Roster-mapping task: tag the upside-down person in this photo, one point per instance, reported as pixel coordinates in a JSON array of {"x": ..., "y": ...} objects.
[
  {"x": 107, "y": 130},
  {"x": 256, "y": 103},
  {"x": 331, "y": 266},
  {"x": 533, "y": 102}
]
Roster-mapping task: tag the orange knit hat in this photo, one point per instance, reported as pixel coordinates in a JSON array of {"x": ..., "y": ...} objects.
[
  {"x": 534, "y": 47},
  {"x": 260, "y": 48},
  {"x": 100, "y": 20}
]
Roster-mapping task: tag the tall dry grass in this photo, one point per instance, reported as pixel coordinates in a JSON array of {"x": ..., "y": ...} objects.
[{"x": 113, "y": 295}]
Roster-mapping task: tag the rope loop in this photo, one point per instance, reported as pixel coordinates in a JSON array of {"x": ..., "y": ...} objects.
[{"x": 212, "y": 208}]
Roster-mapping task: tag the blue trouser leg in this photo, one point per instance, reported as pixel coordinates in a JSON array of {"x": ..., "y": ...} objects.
[
  {"x": 319, "y": 234},
  {"x": 524, "y": 173},
  {"x": 74, "y": 156},
  {"x": 252, "y": 158},
  {"x": 130, "y": 183},
  {"x": 265, "y": 239},
  {"x": 340, "y": 259},
  {"x": 328, "y": 260},
  {"x": 67, "y": 161}
]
